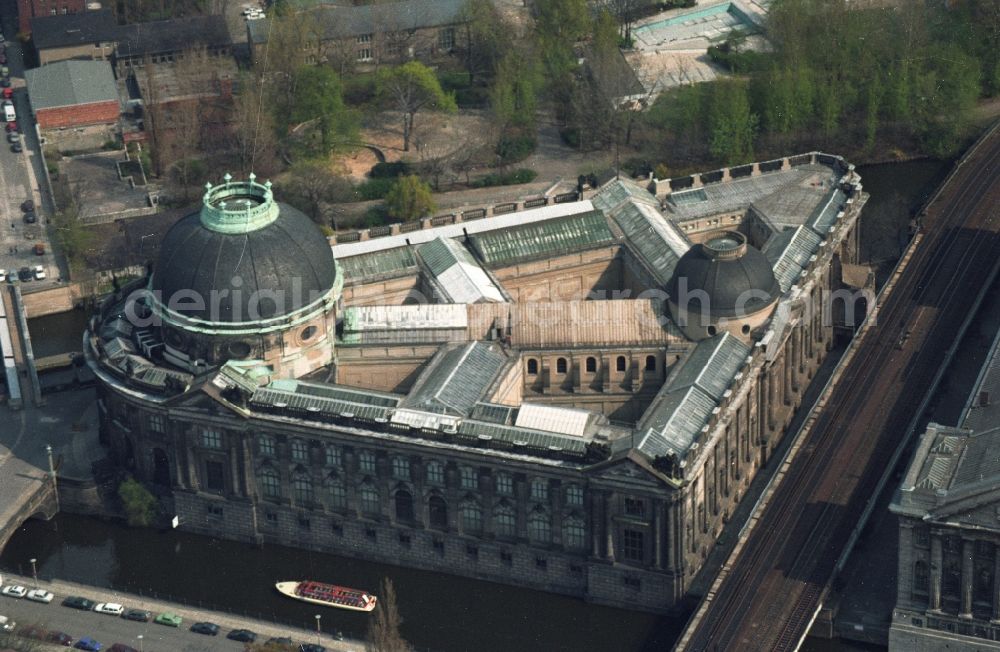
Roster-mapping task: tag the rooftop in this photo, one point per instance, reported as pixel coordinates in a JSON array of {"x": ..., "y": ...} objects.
[
  {"x": 172, "y": 35},
  {"x": 66, "y": 30},
  {"x": 71, "y": 83}
]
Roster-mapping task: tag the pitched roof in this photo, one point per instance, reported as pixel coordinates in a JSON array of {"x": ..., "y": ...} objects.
[
  {"x": 172, "y": 35},
  {"x": 73, "y": 29},
  {"x": 457, "y": 272},
  {"x": 456, "y": 379},
  {"x": 540, "y": 239},
  {"x": 344, "y": 22},
  {"x": 71, "y": 83}
]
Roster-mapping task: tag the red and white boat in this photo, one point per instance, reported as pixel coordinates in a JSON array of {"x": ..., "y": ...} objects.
[{"x": 328, "y": 595}]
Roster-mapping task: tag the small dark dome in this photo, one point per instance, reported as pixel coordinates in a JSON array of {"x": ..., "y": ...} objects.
[
  {"x": 730, "y": 272},
  {"x": 288, "y": 259}
]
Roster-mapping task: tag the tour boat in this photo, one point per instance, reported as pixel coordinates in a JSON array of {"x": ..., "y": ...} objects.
[{"x": 328, "y": 595}]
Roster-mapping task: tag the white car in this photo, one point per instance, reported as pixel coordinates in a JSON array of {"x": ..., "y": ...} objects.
[
  {"x": 110, "y": 608},
  {"x": 6, "y": 624},
  {"x": 3, "y": 275},
  {"x": 14, "y": 591},
  {"x": 40, "y": 595},
  {"x": 39, "y": 272}
]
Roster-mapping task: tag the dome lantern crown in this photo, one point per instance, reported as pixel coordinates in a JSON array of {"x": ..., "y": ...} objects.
[{"x": 238, "y": 207}]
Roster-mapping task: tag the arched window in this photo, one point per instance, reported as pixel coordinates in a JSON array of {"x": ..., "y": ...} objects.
[
  {"x": 404, "y": 505},
  {"x": 505, "y": 521},
  {"x": 303, "y": 489},
  {"x": 369, "y": 498},
  {"x": 650, "y": 363},
  {"x": 338, "y": 494},
  {"x": 270, "y": 483},
  {"x": 561, "y": 366},
  {"x": 472, "y": 517},
  {"x": 920, "y": 577},
  {"x": 532, "y": 366},
  {"x": 591, "y": 365},
  {"x": 573, "y": 533},
  {"x": 539, "y": 528},
  {"x": 438, "y": 512},
  {"x": 620, "y": 363}
]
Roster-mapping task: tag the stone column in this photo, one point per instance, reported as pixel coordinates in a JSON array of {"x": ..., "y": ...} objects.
[
  {"x": 671, "y": 562},
  {"x": 968, "y": 550},
  {"x": 657, "y": 535},
  {"x": 596, "y": 519},
  {"x": 609, "y": 526},
  {"x": 937, "y": 561},
  {"x": 793, "y": 358},
  {"x": 996, "y": 584},
  {"x": 771, "y": 398},
  {"x": 786, "y": 375}
]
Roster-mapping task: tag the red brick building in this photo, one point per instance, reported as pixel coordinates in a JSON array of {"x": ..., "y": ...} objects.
[
  {"x": 70, "y": 94},
  {"x": 28, "y": 9}
]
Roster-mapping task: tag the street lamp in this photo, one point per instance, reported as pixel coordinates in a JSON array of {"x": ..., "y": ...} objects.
[
  {"x": 139, "y": 638},
  {"x": 319, "y": 632},
  {"x": 34, "y": 571}
]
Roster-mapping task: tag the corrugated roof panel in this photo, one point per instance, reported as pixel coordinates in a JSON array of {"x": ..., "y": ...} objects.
[
  {"x": 676, "y": 421},
  {"x": 825, "y": 214},
  {"x": 568, "y": 323},
  {"x": 558, "y": 236},
  {"x": 711, "y": 365},
  {"x": 398, "y": 261},
  {"x": 619, "y": 190},
  {"x": 468, "y": 283},
  {"x": 980, "y": 460},
  {"x": 566, "y": 421},
  {"x": 789, "y": 261},
  {"x": 456, "y": 379},
  {"x": 523, "y": 437},
  {"x": 656, "y": 240},
  {"x": 494, "y": 413}
]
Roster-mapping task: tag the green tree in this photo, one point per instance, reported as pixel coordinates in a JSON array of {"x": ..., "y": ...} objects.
[
  {"x": 488, "y": 35},
  {"x": 412, "y": 87},
  {"x": 139, "y": 504},
  {"x": 732, "y": 126},
  {"x": 318, "y": 96},
  {"x": 409, "y": 199},
  {"x": 514, "y": 93}
]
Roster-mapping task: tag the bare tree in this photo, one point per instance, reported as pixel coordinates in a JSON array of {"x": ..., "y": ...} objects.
[
  {"x": 253, "y": 134},
  {"x": 313, "y": 187},
  {"x": 383, "y": 629}
]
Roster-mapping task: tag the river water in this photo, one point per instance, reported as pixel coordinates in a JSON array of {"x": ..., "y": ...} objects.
[{"x": 440, "y": 612}]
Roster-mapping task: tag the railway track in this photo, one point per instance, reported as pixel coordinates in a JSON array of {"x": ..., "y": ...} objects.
[{"x": 777, "y": 582}]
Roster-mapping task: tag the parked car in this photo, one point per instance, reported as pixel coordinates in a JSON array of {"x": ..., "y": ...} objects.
[
  {"x": 74, "y": 601},
  {"x": 3, "y": 58},
  {"x": 6, "y": 624},
  {"x": 60, "y": 638},
  {"x": 13, "y": 137},
  {"x": 138, "y": 615},
  {"x": 89, "y": 644},
  {"x": 34, "y": 632},
  {"x": 282, "y": 640},
  {"x": 5, "y": 82},
  {"x": 242, "y": 635},
  {"x": 5, "y": 71},
  {"x": 8, "y": 93},
  {"x": 169, "y": 619},
  {"x": 121, "y": 647},
  {"x": 110, "y": 608},
  {"x": 39, "y": 595},
  {"x": 311, "y": 647},
  {"x": 11, "y": 126},
  {"x": 25, "y": 274},
  {"x": 14, "y": 591},
  {"x": 17, "y": 148},
  {"x": 28, "y": 205},
  {"x": 3, "y": 275},
  {"x": 39, "y": 249},
  {"x": 30, "y": 218},
  {"x": 209, "y": 629}
]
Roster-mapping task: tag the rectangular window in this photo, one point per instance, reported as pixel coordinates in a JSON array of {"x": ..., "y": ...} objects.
[
  {"x": 539, "y": 490},
  {"x": 541, "y": 563},
  {"x": 404, "y": 540},
  {"x": 446, "y": 38},
  {"x": 576, "y": 569},
  {"x": 506, "y": 558},
  {"x": 505, "y": 484},
  {"x": 635, "y": 507},
  {"x": 470, "y": 478},
  {"x": 157, "y": 423},
  {"x": 574, "y": 495},
  {"x": 300, "y": 450},
  {"x": 365, "y": 38},
  {"x": 435, "y": 473},
  {"x": 333, "y": 457},
  {"x": 337, "y": 528},
  {"x": 920, "y": 537},
  {"x": 632, "y": 545},
  {"x": 366, "y": 462},
  {"x": 472, "y": 551},
  {"x": 211, "y": 439},
  {"x": 439, "y": 546},
  {"x": 364, "y": 54},
  {"x": 266, "y": 445},
  {"x": 271, "y": 518},
  {"x": 633, "y": 583},
  {"x": 304, "y": 523},
  {"x": 401, "y": 468},
  {"x": 370, "y": 533},
  {"x": 215, "y": 511},
  {"x": 214, "y": 476}
]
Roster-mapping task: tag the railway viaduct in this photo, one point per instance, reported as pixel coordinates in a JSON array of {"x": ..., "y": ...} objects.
[{"x": 774, "y": 582}]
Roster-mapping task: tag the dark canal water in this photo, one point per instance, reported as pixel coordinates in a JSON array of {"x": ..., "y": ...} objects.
[{"x": 441, "y": 612}]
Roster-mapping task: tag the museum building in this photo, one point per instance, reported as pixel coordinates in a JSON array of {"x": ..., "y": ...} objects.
[{"x": 572, "y": 397}]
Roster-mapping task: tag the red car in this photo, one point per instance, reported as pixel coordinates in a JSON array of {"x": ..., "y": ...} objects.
[
  {"x": 11, "y": 126},
  {"x": 8, "y": 93},
  {"x": 60, "y": 638}
]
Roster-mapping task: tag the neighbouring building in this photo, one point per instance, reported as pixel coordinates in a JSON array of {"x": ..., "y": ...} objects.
[
  {"x": 166, "y": 41},
  {"x": 380, "y": 32},
  {"x": 91, "y": 36},
  {"x": 948, "y": 505},
  {"x": 70, "y": 94},
  {"x": 526, "y": 398},
  {"x": 28, "y": 9}
]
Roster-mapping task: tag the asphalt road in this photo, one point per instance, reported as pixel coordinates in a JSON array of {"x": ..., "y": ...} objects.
[
  {"x": 111, "y": 629},
  {"x": 16, "y": 182}
]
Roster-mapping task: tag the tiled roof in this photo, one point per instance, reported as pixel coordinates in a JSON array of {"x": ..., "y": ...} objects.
[
  {"x": 553, "y": 237},
  {"x": 71, "y": 83},
  {"x": 66, "y": 30},
  {"x": 456, "y": 378},
  {"x": 172, "y": 35}
]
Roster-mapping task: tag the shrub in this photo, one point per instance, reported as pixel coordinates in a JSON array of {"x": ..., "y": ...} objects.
[
  {"x": 374, "y": 188},
  {"x": 636, "y": 167},
  {"x": 139, "y": 504},
  {"x": 359, "y": 89},
  {"x": 514, "y": 148},
  {"x": 389, "y": 170},
  {"x": 409, "y": 199},
  {"x": 522, "y": 175}
]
